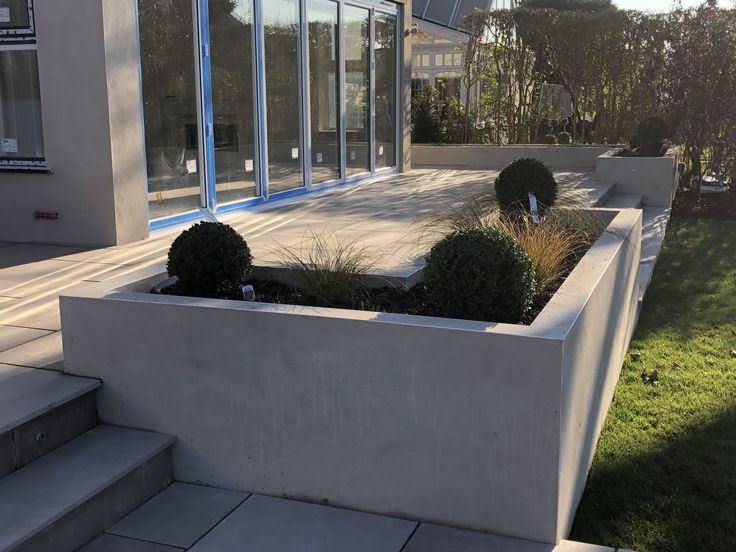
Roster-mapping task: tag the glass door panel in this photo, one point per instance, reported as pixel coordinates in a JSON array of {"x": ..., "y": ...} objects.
[
  {"x": 357, "y": 89},
  {"x": 231, "y": 46},
  {"x": 385, "y": 52},
  {"x": 324, "y": 90},
  {"x": 170, "y": 106},
  {"x": 281, "y": 50}
]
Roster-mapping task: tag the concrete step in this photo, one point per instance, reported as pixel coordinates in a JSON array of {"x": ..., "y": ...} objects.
[
  {"x": 624, "y": 201},
  {"x": 591, "y": 196},
  {"x": 64, "y": 499},
  {"x": 41, "y": 410},
  {"x": 654, "y": 228}
]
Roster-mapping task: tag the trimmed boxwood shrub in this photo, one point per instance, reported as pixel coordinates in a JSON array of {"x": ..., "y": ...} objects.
[
  {"x": 210, "y": 259},
  {"x": 480, "y": 274},
  {"x": 564, "y": 137},
  {"x": 550, "y": 139},
  {"x": 521, "y": 177}
]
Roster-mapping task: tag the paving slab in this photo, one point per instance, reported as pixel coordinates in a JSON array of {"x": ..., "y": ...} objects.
[
  {"x": 437, "y": 538},
  {"x": 111, "y": 543},
  {"x": 180, "y": 515},
  {"x": 27, "y": 393},
  {"x": 45, "y": 352},
  {"x": 264, "y": 523},
  {"x": 12, "y": 336}
]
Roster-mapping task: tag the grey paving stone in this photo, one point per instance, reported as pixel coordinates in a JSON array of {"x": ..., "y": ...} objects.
[
  {"x": 263, "y": 524},
  {"x": 44, "y": 352},
  {"x": 111, "y": 543},
  {"x": 180, "y": 515},
  {"x": 12, "y": 336},
  {"x": 436, "y": 538}
]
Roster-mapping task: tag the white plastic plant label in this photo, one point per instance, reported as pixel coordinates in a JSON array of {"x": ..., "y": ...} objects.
[
  {"x": 534, "y": 208},
  {"x": 295, "y": 153},
  {"x": 192, "y": 166},
  {"x": 5, "y": 15},
  {"x": 248, "y": 165},
  {"x": 9, "y": 145},
  {"x": 320, "y": 157},
  {"x": 380, "y": 150}
]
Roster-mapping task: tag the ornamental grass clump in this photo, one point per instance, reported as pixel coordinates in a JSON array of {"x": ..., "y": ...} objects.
[
  {"x": 210, "y": 259},
  {"x": 328, "y": 268},
  {"x": 480, "y": 274},
  {"x": 521, "y": 177}
]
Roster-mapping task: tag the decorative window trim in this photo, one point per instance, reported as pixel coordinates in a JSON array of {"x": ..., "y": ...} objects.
[{"x": 20, "y": 34}]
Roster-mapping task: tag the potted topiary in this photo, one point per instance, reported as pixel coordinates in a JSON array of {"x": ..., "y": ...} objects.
[
  {"x": 650, "y": 136},
  {"x": 210, "y": 259},
  {"x": 564, "y": 137},
  {"x": 520, "y": 178},
  {"x": 480, "y": 274}
]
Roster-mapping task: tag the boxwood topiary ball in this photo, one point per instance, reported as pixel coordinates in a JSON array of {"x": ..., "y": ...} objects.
[
  {"x": 210, "y": 259},
  {"x": 521, "y": 177},
  {"x": 480, "y": 274}
]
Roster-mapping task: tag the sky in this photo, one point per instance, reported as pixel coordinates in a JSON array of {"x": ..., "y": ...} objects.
[{"x": 660, "y": 5}]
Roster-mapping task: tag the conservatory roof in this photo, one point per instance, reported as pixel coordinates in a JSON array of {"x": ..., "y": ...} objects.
[{"x": 450, "y": 13}]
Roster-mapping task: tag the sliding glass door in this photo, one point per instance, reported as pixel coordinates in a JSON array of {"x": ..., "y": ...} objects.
[
  {"x": 324, "y": 87},
  {"x": 245, "y": 99},
  {"x": 233, "y": 100},
  {"x": 386, "y": 90},
  {"x": 357, "y": 29},
  {"x": 170, "y": 105},
  {"x": 283, "y": 96}
]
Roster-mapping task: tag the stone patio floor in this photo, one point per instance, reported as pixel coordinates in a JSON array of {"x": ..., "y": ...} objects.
[{"x": 389, "y": 216}]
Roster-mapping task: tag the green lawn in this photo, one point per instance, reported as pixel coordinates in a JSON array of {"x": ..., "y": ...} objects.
[{"x": 664, "y": 474}]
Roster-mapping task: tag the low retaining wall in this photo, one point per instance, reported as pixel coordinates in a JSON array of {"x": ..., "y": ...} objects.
[
  {"x": 654, "y": 178},
  {"x": 484, "y": 426},
  {"x": 494, "y": 157}
]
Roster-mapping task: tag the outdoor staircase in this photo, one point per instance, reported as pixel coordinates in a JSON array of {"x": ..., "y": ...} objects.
[{"x": 63, "y": 477}]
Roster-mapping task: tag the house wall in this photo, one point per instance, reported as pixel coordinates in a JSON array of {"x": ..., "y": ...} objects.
[{"x": 92, "y": 122}]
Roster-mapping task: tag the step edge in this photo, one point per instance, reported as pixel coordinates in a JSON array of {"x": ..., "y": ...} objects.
[
  {"x": 167, "y": 442},
  {"x": 91, "y": 387}
]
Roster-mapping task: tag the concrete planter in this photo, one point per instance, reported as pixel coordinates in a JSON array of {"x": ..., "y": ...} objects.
[
  {"x": 654, "y": 178},
  {"x": 478, "y": 156},
  {"x": 478, "y": 425}
]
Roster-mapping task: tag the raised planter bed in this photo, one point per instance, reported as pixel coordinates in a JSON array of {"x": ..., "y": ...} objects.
[
  {"x": 654, "y": 178},
  {"x": 478, "y": 425}
]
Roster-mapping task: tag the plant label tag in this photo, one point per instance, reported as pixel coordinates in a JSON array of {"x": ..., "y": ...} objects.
[
  {"x": 319, "y": 158},
  {"x": 534, "y": 208},
  {"x": 191, "y": 166},
  {"x": 295, "y": 153},
  {"x": 380, "y": 150},
  {"x": 248, "y": 165},
  {"x": 4, "y": 15},
  {"x": 9, "y": 145},
  {"x": 352, "y": 155}
]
